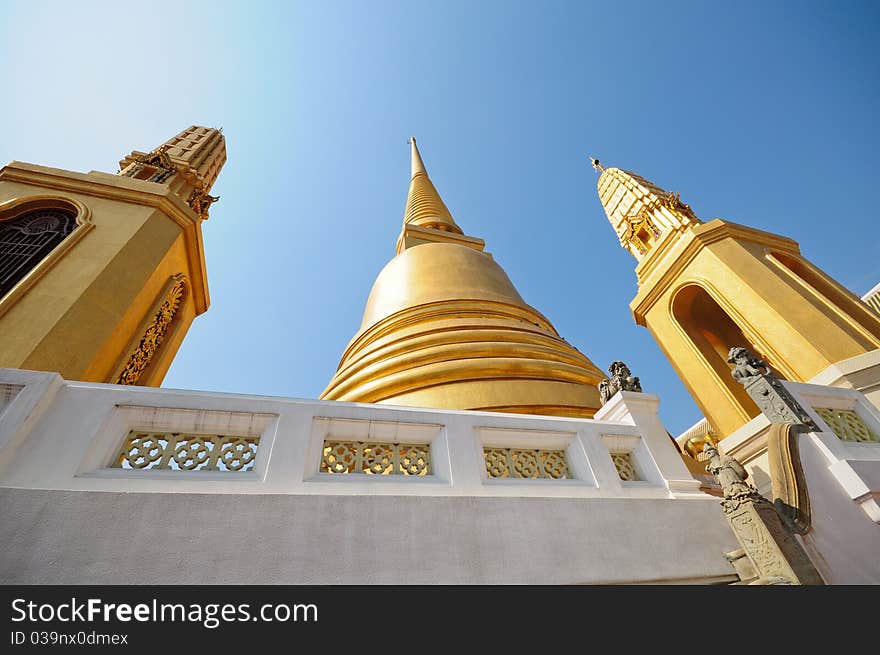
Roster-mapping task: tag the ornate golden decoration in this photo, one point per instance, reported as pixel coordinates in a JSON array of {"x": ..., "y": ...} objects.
[
  {"x": 155, "y": 334},
  {"x": 640, "y": 231},
  {"x": 787, "y": 476},
  {"x": 157, "y": 161},
  {"x": 180, "y": 451},
  {"x": 525, "y": 463},
  {"x": 200, "y": 201},
  {"x": 207, "y": 149},
  {"x": 846, "y": 424},
  {"x": 626, "y": 468},
  {"x": 673, "y": 203},
  {"x": 344, "y": 457}
]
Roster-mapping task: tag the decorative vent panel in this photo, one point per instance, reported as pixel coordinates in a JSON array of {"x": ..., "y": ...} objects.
[
  {"x": 846, "y": 424},
  {"x": 180, "y": 451},
  {"x": 522, "y": 463},
  {"x": 371, "y": 458},
  {"x": 625, "y": 466}
]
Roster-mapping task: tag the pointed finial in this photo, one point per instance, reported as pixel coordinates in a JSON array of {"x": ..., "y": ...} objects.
[
  {"x": 424, "y": 207},
  {"x": 596, "y": 165},
  {"x": 417, "y": 165}
]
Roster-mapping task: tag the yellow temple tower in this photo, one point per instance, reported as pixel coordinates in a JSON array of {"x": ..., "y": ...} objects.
[
  {"x": 445, "y": 327},
  {"x": 705, "y": 287},
  {"x": 103, "y": 274}
]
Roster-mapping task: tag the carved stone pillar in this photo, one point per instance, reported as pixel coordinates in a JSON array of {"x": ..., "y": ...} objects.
[
  {"x": 769, "y": 394},
  {"x": 775, "y": 553},
  {"x": 778, "y": 558}
]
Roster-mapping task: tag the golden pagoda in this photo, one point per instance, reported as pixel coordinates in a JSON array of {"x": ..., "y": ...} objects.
[{"x": 445, "y": 327}]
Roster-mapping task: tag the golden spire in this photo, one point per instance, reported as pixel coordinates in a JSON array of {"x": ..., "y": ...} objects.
[
  {"x": 640, "y": 211},
  {"x": 424, "y": 207},
  {"x": 417, "y": 166}
]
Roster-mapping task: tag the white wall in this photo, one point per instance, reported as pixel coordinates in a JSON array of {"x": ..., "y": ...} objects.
[
  {"x": 842, "y": 478},
  {"x": 69, "y": 517}
]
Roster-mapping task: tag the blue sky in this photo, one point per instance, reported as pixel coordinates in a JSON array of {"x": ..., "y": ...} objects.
[{"x": 762, "y": 113}]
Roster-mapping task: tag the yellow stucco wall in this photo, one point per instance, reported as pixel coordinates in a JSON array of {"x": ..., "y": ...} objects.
[
  {"x": 799, "y": 331},
  {"x": 82, "y": 315}
]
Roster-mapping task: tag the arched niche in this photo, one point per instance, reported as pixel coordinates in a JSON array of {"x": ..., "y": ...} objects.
[{"x": 713, "y": 333}]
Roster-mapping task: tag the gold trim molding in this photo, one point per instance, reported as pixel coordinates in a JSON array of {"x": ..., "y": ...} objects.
[{"x": 682, "y": 210}]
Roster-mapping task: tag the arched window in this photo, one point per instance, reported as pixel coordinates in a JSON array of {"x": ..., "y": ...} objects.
[{"x": 26, "y": 239}]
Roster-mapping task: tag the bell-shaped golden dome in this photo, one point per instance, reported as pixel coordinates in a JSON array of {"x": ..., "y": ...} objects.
[
  {"x": 445, "y": 327},
  {"x": 437, "y": 272}
]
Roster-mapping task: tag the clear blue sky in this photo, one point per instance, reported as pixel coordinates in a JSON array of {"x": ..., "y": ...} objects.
[{"x": 763, "y": 113}]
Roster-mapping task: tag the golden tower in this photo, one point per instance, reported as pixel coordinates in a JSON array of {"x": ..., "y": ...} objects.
[
  {"x": 101, "y": 275},
  {"x": 445, "y": 327},
  {"x": 704, "y": 287}
]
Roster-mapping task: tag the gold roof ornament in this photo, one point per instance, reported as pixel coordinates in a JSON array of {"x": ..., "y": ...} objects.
[
  {"x": 640, "y": 212},
  {"x": 189, "y": 162}
]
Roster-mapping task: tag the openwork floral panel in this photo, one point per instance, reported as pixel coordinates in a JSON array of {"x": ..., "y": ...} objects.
[
  {"x": 343, "y": 457},
  {"x": 846, "y": 424},
  {"x": 625, "y": 466},
  {"x": 525, "y": 463},
  {"x": 180, "y": 451}
]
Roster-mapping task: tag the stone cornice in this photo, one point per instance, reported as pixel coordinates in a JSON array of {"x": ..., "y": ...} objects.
[{"x": 139, "y": 192}]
